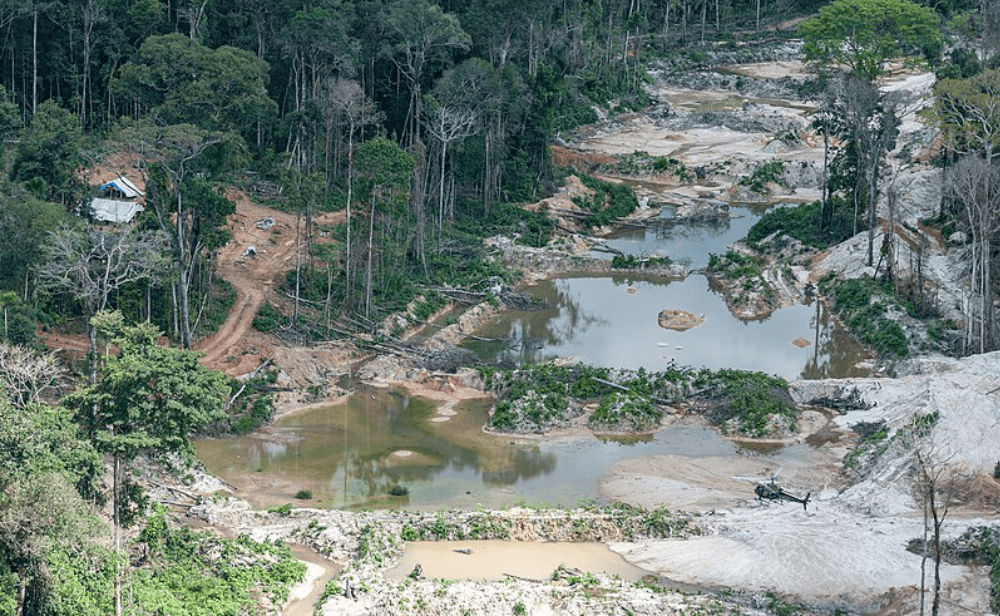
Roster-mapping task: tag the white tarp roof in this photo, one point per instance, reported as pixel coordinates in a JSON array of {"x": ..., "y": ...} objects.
[
  {"x": 125, "y": 186},
  {"x": 114, "y": 210}
]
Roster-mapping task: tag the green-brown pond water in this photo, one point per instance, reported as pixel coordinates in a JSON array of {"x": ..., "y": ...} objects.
[
  {"x": 349, "y": 456},
  {"x": 689, "y": 242}
]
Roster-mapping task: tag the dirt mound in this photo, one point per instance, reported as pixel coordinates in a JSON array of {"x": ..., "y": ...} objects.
[{"x": 579, "y": 161}]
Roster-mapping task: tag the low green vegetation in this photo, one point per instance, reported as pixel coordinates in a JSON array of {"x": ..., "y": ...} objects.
[
  {"x": 764, "y": 174},
  {"x": 864, "y": 307},
  {"x": 217, "y": 303},
  {"x": 804, "y": 223},
  {"x": 609, "y": 203},
  {"x": 252, "y": 407},
  {"x": 873, "y": 444},
  {"x": 191, "y": 572},
  {"x": 282, "y": 510},
  {"x": 632, "y": 262},
  {"x": 745, "y": 269},
  {"x": 625, "y": 412},
  {"x": 541, "y": 397},
  {"x": 989, "y": 542},
  {"x": 743, "y": 402},
  {"x": 642, "y": 163},
  {"x": 268, "y": 319},
  {"x": 734, "y": 265}
]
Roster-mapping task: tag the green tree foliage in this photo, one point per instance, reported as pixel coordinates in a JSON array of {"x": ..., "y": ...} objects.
[
  {"x": 181, "y": 80},
  {"x": 385, "y": 172},
  {"x": 10, "y": 117},
  {"x": 44, "y": 468},
  {"x": 49, "y": 152},
  {"x": 863, "y": 34},
  {"x": 419, "y": 35},
  {"x": 25, "y": 222},
  {"x": 197, "y": 573},
  {"x": 148, "y": 398}
]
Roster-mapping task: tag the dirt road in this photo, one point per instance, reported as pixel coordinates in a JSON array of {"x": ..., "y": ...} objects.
[{"x": 236, "y": 347}]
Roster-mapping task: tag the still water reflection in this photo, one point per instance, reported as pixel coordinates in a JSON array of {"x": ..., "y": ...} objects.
[
  {"x": 689, "y": 243},
  {"x": 348, "y": 456},
  {"x": 612, "y": 322}
]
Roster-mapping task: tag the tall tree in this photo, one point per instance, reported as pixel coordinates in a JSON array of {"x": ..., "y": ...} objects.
[
  {"x": 91, "y": 264},
  {"x": 344, "y": 102},
  {"x": 42, "y": 459},
  {"x": 317, "y": 44},
  {"x": 172, "y": 155},
  {"x": 182, "y": 81},
  {"x": 49, "y": 153},
  {"x": 419, "y": 35},
  {"x": 25, "y": 223},
  {"x": 386, "y": 171},
  {"x": 147, "y": 399},
  {"x": 968, "y": 113},
  {"x": 447, "y": 123}
]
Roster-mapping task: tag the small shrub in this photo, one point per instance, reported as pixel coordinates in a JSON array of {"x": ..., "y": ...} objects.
[
  {"x": 282, "y": 510},
  {"x": 398, "y": 490},
  {"x": 767, "y": 173},
  {"x": 303, "y": 495},
  {"x": 267, "y": 319}
]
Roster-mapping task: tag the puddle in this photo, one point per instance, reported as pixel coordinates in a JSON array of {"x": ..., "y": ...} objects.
[
  {"x": 613, "y": 322},
  {"x": 490, "y": 560}
]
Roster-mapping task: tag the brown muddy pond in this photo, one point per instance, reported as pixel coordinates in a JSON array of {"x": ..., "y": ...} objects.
[
  {"x": 612, "y": 321},
  {"x": 490, "y": 560},
  {"x": 352, "y": 454}
]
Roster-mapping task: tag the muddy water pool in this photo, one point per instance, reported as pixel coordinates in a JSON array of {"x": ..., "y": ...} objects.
[
  {"x": 612, "y": 321},
  {"x": 350, "y": 456}
]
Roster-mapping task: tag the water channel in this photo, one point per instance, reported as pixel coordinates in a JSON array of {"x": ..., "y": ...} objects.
[{"x": 352, "y": 455}]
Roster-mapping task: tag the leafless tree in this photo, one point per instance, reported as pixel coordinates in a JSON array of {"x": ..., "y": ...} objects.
[
  {"x": 25, "y": 374},
  {"x": 937, "y": 484},
  {"x": 345, "y": 102},
  {"x": 975, "y": 183},
  {"x": 447, "y": 123},
  {"x": 90, "y": 264}
]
